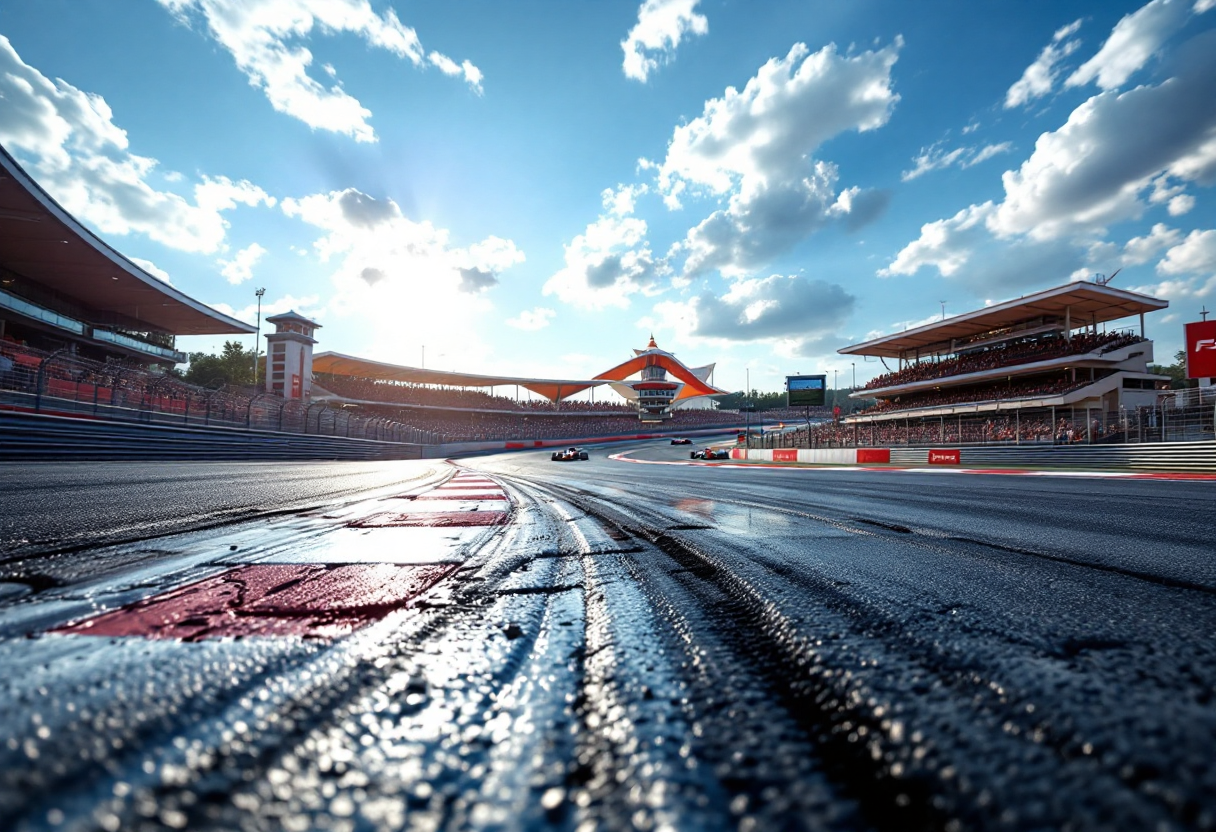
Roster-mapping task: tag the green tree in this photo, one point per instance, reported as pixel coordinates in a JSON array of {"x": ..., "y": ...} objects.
[
  {"x": 234, "y": 365},
  {"x": 1176, "y": 371}
]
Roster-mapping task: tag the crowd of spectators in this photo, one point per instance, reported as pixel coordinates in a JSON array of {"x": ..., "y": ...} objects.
[
  {"x": 1004, "y": 355},
  {"x": 376, "y": 390},
  {"x": 1002, "y": 428},
  {"x": 491, "y": 425},
  {"x": 1030, "y": 388}
]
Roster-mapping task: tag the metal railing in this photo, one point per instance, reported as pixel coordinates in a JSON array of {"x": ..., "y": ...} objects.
[{"x": 1178, "y": 416}]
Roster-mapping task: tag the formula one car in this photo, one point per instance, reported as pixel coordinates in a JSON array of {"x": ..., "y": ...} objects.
[
  {"x": 710, "y": 453},
  {"x": 569, "y": 455},
  {"x": 681, "y": 440}
]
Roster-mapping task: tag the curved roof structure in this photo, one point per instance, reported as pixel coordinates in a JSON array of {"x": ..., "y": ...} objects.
[
  {"x": 1084, "y": 303},
  {"x": 43, "y": 243},
  {"x": 692, "y": 380}
]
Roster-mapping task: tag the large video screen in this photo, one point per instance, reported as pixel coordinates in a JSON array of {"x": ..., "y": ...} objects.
[{"x": 805, "y": 391}]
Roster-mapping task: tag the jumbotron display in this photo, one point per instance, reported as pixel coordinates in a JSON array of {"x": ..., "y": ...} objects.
[{"x": 805, "y": 391}]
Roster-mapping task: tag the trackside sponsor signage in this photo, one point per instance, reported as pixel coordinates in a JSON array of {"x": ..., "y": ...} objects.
[
  {"x": 944, "y": 457},
  {"x": 1201, "y": 349}
]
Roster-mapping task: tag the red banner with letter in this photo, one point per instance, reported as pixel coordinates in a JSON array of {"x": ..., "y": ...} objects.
[
  {"x": 944, "y": 457},
  {"x": 1201, "y": 349},
  {"x": 785, "y": 455},
  {"x": 865, "y": 455},
  {"x": 296, "y": 387}
]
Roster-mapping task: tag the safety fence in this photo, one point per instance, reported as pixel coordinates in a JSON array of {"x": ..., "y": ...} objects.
[
  {"x": 1177, "y": 416},
  {"x": 42, "y": 437},
  {"x": 1157, "y": 456},
  {"x": 61, "y": 382}
]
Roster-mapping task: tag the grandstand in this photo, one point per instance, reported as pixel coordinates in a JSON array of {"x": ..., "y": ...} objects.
[
  {"x": 1044, "y": 367},
  {"x": 467, "y": 407}
]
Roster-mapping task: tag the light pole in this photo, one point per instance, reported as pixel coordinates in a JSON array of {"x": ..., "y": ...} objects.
[{"x": 257, "y": 338}]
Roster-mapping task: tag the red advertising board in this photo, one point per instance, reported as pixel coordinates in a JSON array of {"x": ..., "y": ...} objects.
[
  {"x": 950, "y": 457},
  {"x": 296, "y": 388},
  {"x": 1201, "y": 349},
  {"x": 865, "y": 455},
  {"x": 785, "y": 455}
]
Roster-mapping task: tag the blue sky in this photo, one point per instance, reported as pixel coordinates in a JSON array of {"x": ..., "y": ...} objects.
[{"x": 533, "y": 187}]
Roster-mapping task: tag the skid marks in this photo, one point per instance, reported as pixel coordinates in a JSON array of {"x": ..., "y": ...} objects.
[
  {"x": 926, "y": 726},
  {"x": 469, "y": 725}
]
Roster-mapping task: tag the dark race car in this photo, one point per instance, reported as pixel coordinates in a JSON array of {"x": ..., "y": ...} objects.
[
  {"x": 569, "y": 455},
  {"x": 710, "y": 453},
  {"x": 681, "y": 440}
]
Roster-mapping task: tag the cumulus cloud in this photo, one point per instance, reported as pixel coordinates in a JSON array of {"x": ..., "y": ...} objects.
[
  {"x": 152, "y": 269},
  {"x": 307, "y": 305},
  {"x": 935, "y": 157},
  {"x": 240, "y": 267},
  {"x": 1194, "y": 255},
  {"x": 70, "y": 143},
  {"x": 794, "y": 314},
  {"x": 531, "y": 320},
  {"x": 266, "y": 38},
  {"x": 964, "y": 248},
  {"x": 611, "y": 260},
  {"x": 378, "y": 247},
  {"x": 755, "y": 148},
  {"x": 606, "y": 264},
  {"x": 661, "y": 25},
  {"x": 1093, "y": 170},
  {"x": 1133, "y": 42},
  {"x": 1040, "y": 76}
]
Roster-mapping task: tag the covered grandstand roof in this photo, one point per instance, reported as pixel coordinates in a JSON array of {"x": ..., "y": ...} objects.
[
  {"x": 348, "y": 365},
  {"x": 1086, "y": 303},
  {"x": 554, "y": 389},
  {"x": 43, "y": 243}
]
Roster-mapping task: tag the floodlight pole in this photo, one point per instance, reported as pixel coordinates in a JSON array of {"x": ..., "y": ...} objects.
[{"x": 257, "y": 338}]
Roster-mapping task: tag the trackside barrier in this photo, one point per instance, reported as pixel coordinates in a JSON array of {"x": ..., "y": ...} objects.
[
  {"x": 27, "y": 436},
  {"x": 458, "y": 448},
  {"x": 1168, "y": 456}
]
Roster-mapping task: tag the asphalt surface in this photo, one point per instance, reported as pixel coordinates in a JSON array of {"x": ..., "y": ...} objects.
[{"x": 640, "y": 647}]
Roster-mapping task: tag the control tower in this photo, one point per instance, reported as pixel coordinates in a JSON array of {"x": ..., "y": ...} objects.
[{"x": 289, "y": 355}]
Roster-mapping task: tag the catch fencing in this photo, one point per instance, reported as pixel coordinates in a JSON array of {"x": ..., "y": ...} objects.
[
  {"x": 1178, "y": 416},
  {"x": 63, "y": 383}
]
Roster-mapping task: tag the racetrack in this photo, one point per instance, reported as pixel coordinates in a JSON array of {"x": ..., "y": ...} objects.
[{"x": 640, "y": 646}]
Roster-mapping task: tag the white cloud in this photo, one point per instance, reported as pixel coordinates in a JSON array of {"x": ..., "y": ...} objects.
[
  {"x": 935, "y": 157},
  {"x": 69, "y": 142},
  {"x": 240, "y": 268},
  {"x": 1139, "y": 250},
  {"x": 266, "y": 38},
  {"x": 1093, "y": 170},
  {"x": 795, "y": 315},
  {"x": 606, "y": 264},
  {"x": 945, "y": 244},
  {"x": 377, "y": 246},
  {"x": 661, "y": 25},
  {"x": 531, "y": 320},
  {"x": 1134, "y": 40},
  {"x": 309, "y": 306},
  {"x": 1194, "y": 255},
  {"x": 756, "y": 146},
  {"x": 152, "y": 269},
  {"x": 1040, "y": 76},
  {"x": 405, "y": 282}
]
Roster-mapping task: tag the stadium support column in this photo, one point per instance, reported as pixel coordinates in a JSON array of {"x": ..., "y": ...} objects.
[
  {"x": 1141, "y": 324},
  {"x": 1068, "y": 324}
]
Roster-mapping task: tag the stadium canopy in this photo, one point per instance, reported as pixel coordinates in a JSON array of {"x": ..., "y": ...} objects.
[
  {"x": 1081, "y": 303},
  {"x": 43, "y": 244},
  {"x": 553, "y": 389}
]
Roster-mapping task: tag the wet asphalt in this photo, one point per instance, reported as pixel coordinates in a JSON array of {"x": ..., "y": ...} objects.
[{"x": 643, "y": 647}]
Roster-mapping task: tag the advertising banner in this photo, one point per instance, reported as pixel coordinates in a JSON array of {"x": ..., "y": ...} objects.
[
  {"x": 296, "y": 387},
  {"x": 1201, "y": 349},
  {"x": 944, "y": 457}
]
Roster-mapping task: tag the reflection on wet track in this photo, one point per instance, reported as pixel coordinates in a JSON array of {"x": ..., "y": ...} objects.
[{"x": 515, "y": 644}]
